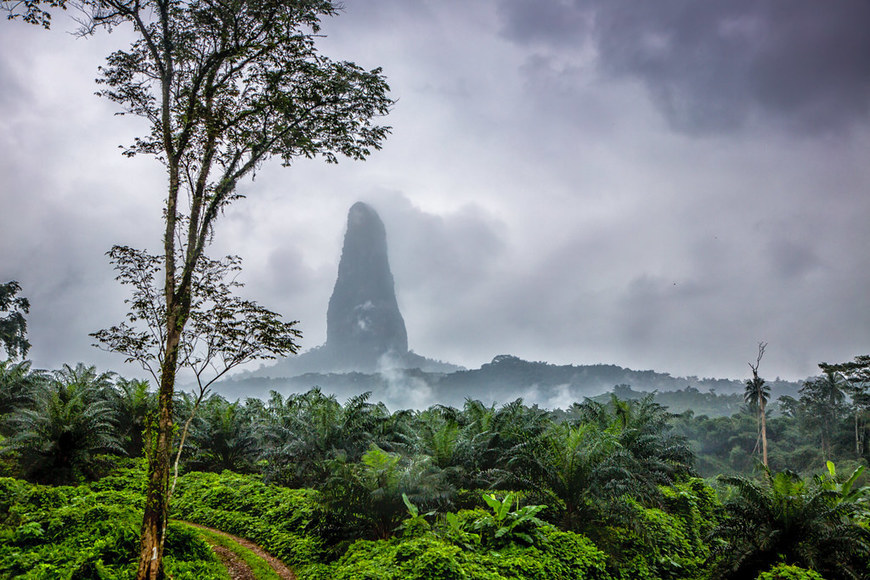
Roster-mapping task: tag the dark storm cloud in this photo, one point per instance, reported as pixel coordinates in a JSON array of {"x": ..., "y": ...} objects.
[{"x": 710, "y": 66}]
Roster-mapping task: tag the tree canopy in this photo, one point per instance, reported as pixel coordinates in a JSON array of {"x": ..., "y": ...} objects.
[{"x": 13, "y": 325}]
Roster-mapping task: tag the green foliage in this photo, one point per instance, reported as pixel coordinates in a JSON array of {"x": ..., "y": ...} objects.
[
  {"x": 657, "y": 545},
  {"x": 562, "y": 555},
  {"x": 581, "y": 467},
  {"x": 133, "y": 402},
  {"x": 416, "y": 524},
  {"x": 82, "y": 533},
  {"x": 505, "y": 526},
  {"x": 616, "y": 466},
  {"x": 304, "y": 434},
  {"x": 282, "y": 521},
  {"x": 369, "y": 496},
  {"x": 13, "y": 325},
  {"x": 68, "y": 423},
  {"x": 17, "y": 384},
  {"x": 222, "y": 438},
  {"x": 787, "y": 572},
  {"x": 783, "y": 518}
]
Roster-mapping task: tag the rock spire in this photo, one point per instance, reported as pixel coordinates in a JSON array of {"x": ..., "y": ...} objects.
[{"x": 363, "y": 322}]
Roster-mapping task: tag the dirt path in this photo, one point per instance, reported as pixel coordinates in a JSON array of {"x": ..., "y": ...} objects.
[
  {"x": 236, "y": 567},
  {"x": 232, "y": 560}
]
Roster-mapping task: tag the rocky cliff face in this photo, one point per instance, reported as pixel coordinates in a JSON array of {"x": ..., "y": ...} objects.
[{"x": 363, "y": 322}]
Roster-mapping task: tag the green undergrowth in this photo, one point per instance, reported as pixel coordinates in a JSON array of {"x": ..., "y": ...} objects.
[
  {"x": 88, "y": 532},
  {"x": 559, "y": 556},
  {"x": 93, "y": 531},
  {"x": 282, "y": 521},
  {"x": 499, "y": 542},
  {"x": 259, "y": 567}
]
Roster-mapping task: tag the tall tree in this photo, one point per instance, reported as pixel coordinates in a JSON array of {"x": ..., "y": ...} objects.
[
  {"x": 223, "y": 86},
  {"x": 756, "y": 395},
  {"x": 857, "y": 376},
  {"x": 13, "y": 325},
  {"x": 823, "y": 400}
]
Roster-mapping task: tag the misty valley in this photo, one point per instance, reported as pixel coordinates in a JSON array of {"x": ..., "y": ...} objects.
[{"x": 362, "y": 459}]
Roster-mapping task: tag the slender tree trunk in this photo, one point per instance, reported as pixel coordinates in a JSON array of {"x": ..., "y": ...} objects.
[
  {"x": 825, "y": 454},
  {"x": 156, "y": 514},
  {"x": 763, "y": 434}
]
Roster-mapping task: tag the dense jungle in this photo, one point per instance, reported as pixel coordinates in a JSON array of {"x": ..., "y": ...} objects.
[{"x": 608, "y": 488}]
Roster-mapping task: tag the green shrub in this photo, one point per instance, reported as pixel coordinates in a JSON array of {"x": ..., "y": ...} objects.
[
  {"x": 75, "y": 532},
  {"x": 786, "y": 572},
  {"x": 281, "y": 520},
  {"x": 560, "y": 556}
]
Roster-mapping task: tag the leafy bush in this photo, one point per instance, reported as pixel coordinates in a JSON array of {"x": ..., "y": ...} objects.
[
  {"x": 562, "y": 556},
  {"x": 659, "y": 543},
  {"x": 76, "y": 532},
  {"x": 786, "y": 572},
  {"x": 504, "y": 526},
  {"x": 280, "y": 520}
]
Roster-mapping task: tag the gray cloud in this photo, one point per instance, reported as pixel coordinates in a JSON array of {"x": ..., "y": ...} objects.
[
  {"x": 711, "y": 66},
  {"x": 537, "y": 200}
]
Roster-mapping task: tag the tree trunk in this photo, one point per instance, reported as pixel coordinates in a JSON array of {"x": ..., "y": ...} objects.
[
  {"x": 156, "y": 513},
  {"x": 763, "y": 434},
  {"x": 825, "y": 454}
]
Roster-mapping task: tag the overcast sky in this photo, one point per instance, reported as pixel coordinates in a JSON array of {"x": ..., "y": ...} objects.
[{"x": 658, "y": 185}]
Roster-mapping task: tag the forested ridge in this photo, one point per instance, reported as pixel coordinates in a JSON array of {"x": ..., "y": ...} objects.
[{"x": 617, "y": 487}]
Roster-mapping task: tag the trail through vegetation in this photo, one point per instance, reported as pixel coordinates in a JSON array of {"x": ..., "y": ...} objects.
[{"x": 238, "y": 568}]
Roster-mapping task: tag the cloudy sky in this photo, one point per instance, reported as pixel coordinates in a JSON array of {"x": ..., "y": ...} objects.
[{"x": 658, "y": 185}]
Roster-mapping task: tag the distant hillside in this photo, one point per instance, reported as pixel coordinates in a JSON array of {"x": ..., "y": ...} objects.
[{"x": 504, "y": 379}]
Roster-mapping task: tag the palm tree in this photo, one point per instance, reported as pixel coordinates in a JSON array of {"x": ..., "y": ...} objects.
[
  {"x": 574, "y": 468},
  {"x": 490, "y": 437},
  {"x": 654, "y": 455},
  {"x": 650, "y": 453},
  {"x": 86, "y": 379},
  {"x": 133, "y": 401},
  {"x": 367, "y": 497},
  {"x": 439, "y": 437},
  {"x": 66, "y": 425},
  {"x": 222, "y": 438},
  {"x": 302, "y": 434},
  {"x": 17, "y": 386},
  {"x": 781, "y": 518},
  {"x": 756, "y": 395},
  {"x": 857, "y": 376},
  {"x": 824, "y": 401}
]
